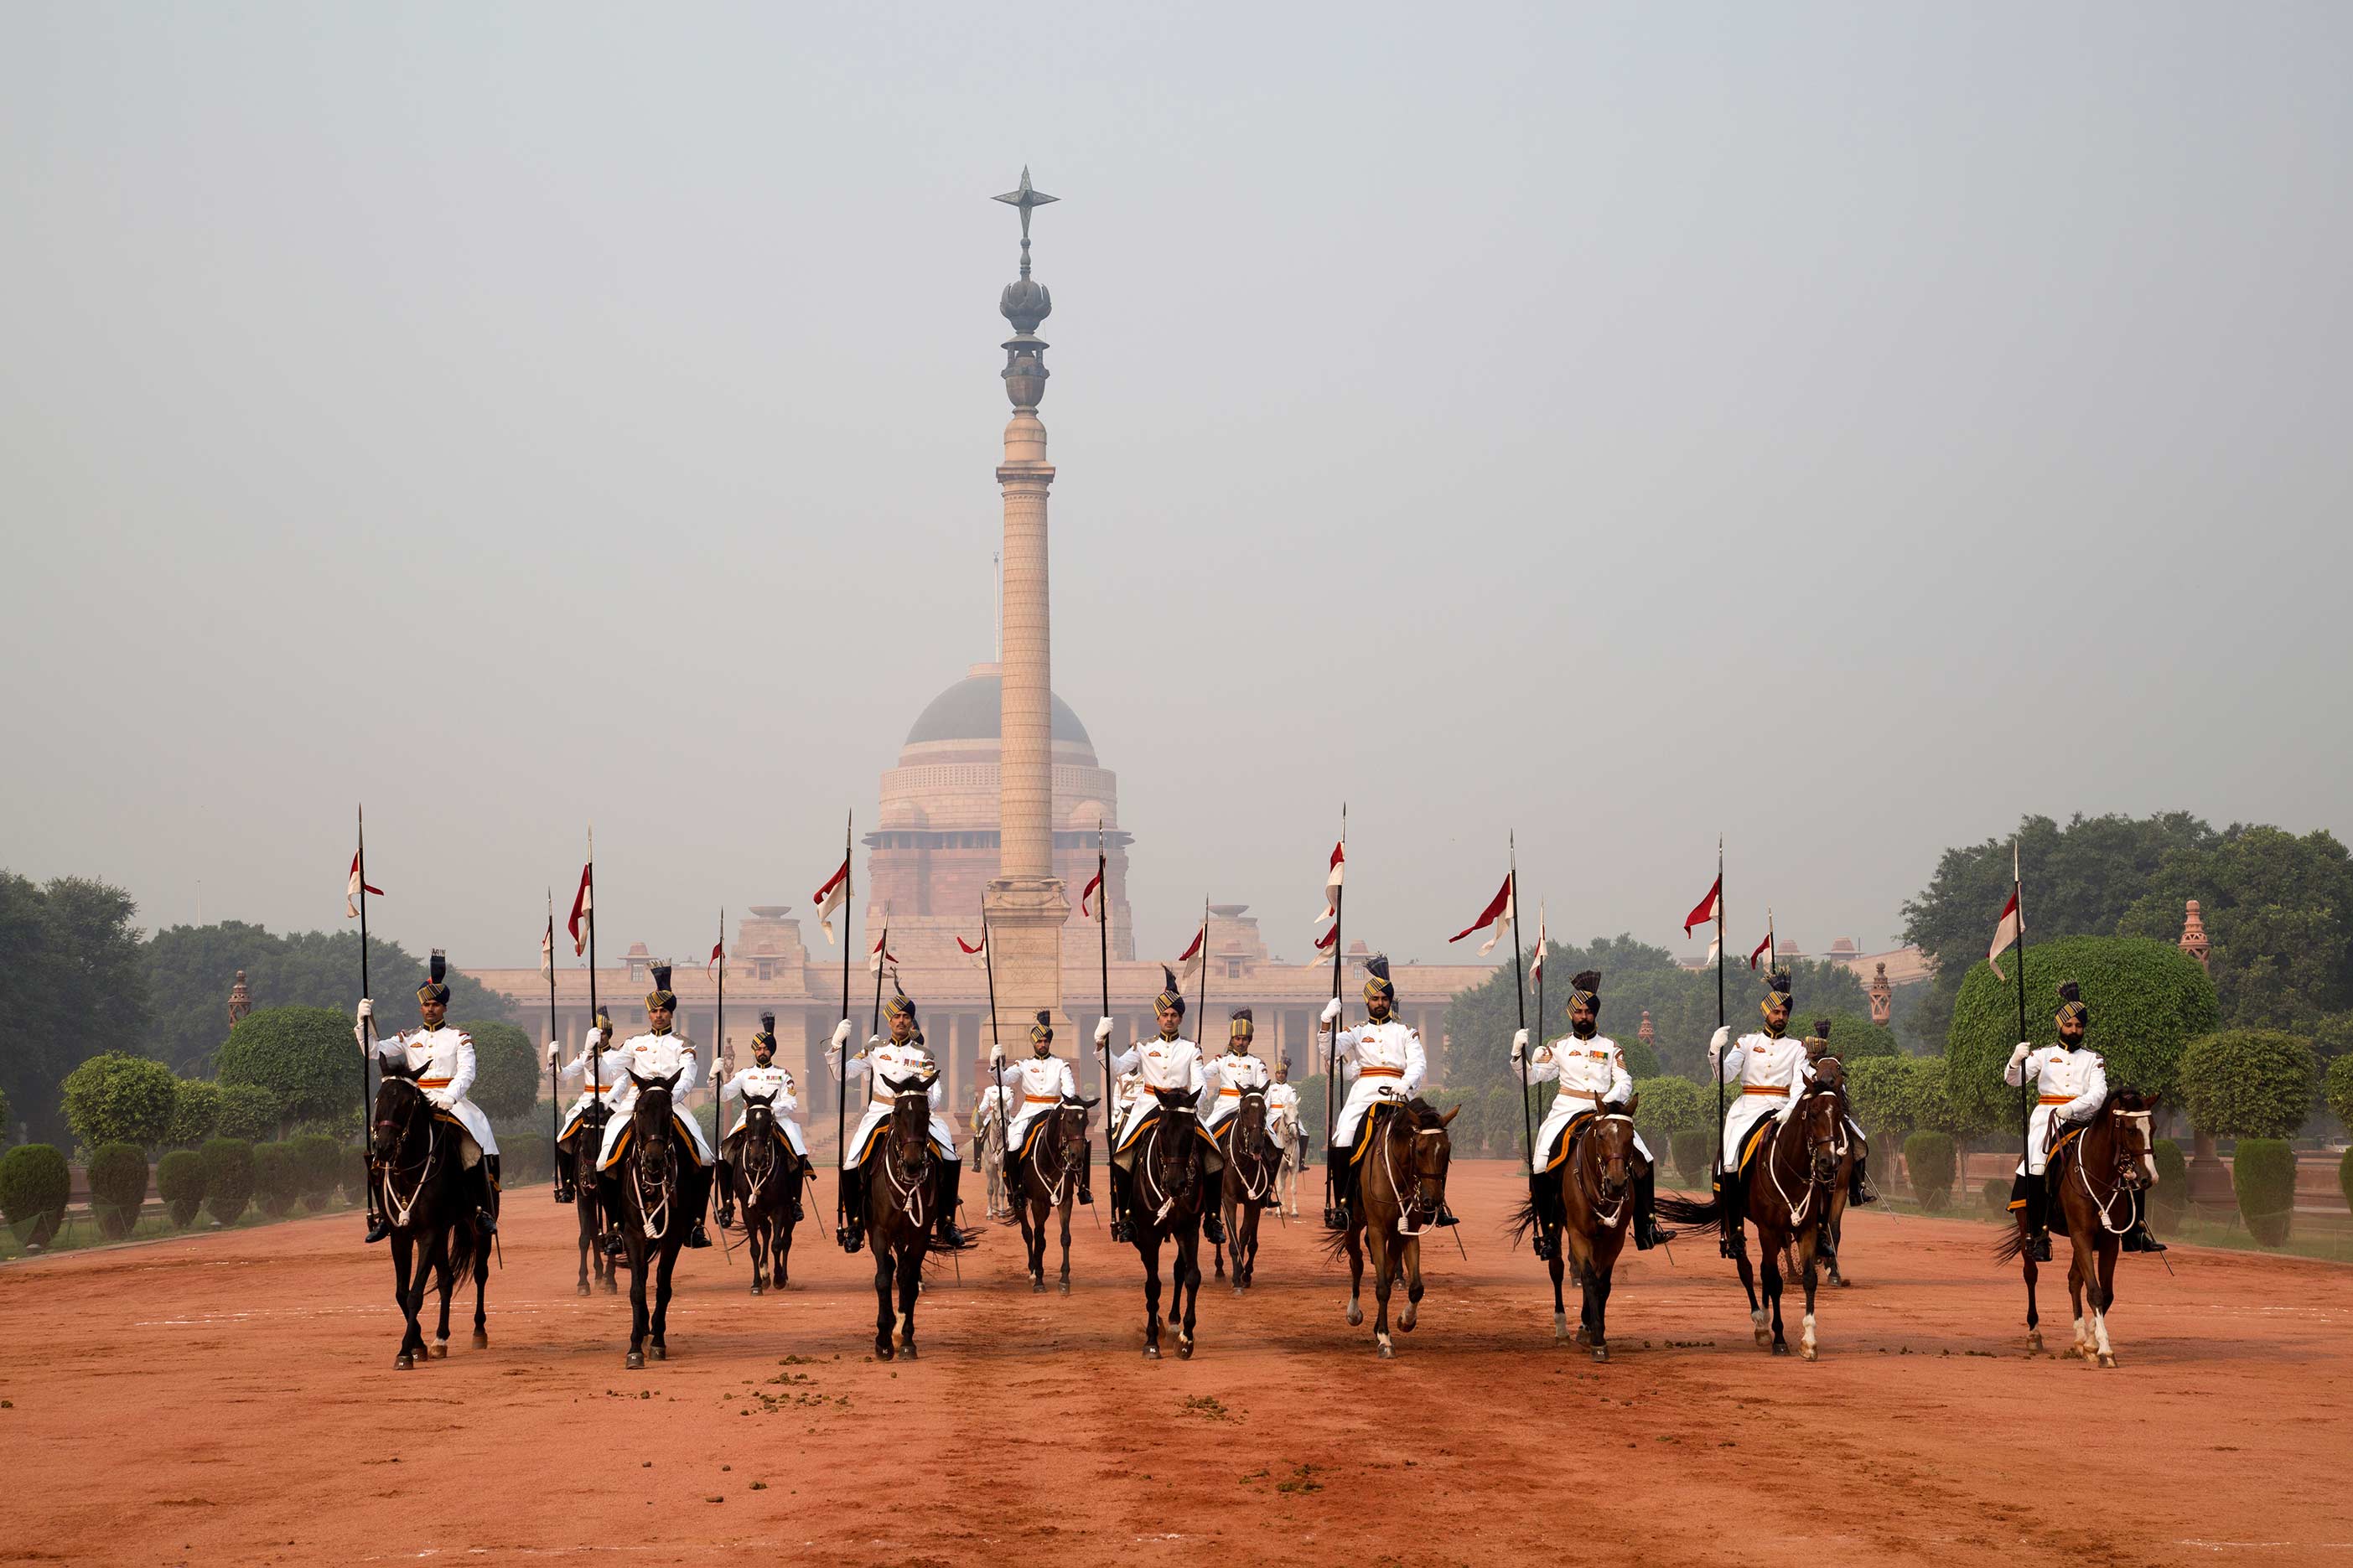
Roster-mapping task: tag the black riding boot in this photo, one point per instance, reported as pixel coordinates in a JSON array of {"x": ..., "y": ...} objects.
[
  {"x": 852, "y": 1231},
  {"x": 1545, "y": 1243},
  {"x": 694, "y": 1192},
  {"x": 485, "y": 1195},
  {"x": 943, "y": 1229},
  {"x": 609, "y": 1199},
  {"x": 378, "y": 1228},
  {"x": 1731, "y": 1194},
  {"x": 1119, "y": 1184},
  {"x": 1212, "y": 1226},
  {"x": 2038, "y": 1218},
  {"x": 1336, "y": 1211},
  {"x": 802, "y": 1171},
  {"x": 564, "y": 1191},
  {"x": 725, "y": 1173},
  {"x": 2141, "y": 1238},
  {"x": 1647, "y": 1234}
]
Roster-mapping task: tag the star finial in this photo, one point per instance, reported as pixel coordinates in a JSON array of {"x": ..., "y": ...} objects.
[{"x": 1026, "y": 198}]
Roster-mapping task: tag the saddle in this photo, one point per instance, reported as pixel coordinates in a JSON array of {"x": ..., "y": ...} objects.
[
  {"x": 1758, "y": 1137},
  {"x": 1563, "y": 1146}
]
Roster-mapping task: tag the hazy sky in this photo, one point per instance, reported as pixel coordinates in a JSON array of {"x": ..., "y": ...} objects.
[{"x": 1843, "y": 428}]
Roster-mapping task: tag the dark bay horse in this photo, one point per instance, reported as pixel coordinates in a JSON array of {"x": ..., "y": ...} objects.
[
  {"x": 1788, "y": 1190},
  {"x": 419, "y": 1159},
  {"x": 768, "y": 1180},
  {"x": 644, "y": 1193},
  {"x": 587, "y": 1201},
  {"x": 1047, "y": 1182},
  {"x": 1401, "y": 1189},
  {"x": 1596, "y": 1195},
  {"x": 1830, "y": 1070},
  {"x": 1166, "y": 1197},
  {"x": 903, "y": 1188},
  {"x": 2099, "y": 1173},
  {"x": 1246, "y": 1186}
]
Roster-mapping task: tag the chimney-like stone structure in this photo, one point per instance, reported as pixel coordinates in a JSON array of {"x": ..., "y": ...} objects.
[
  {"x": 241, "y": 1000},
  {"x": 1881, "y": 994},
  {"x": 2193, "y": 936},
  {"x": 1027, "y": 903},
  {"x": 1646, "y": 1033}
]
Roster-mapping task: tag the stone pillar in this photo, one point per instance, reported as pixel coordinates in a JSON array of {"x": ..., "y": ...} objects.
[
  {"x": 2193, "y": 936},
  {"x": 241, "y": 1000},
  {"x": 1882, "y": 997}
]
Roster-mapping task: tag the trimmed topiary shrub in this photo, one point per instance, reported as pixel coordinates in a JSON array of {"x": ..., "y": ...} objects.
[
  {"x": 301, "y": 1055},
  {"x": 1500, "y": 1125},
  {"x": 277, "y": 1177},
  {"x": 7, "y": 1128},
  {"x": 247, "y": 1112},
  {"x": 2169, "y": 1199},
  {"x": 352, "y": 1173},
  {"x": 196, "y": 1112},
  {"x": 2262, "y": 1174},
  {"x": 1694, "y": 1149},
  {"x": 508, "y": 1072},
  {"x": 228, "y": 1178},
  {"x": 1929, "y": 1157},
  {"x": 1666, "y": 1106},
  {"x": 116, "y": 1098},
  {"x": 318, "y": 1161},
  {"x": 523, "y": 1158},
  {"x": 1642, "y": 1061},
  {"x": 2248, "y": 1083},
  {"x": 180, "y": 1182},
  {"x": 2345, "y": 1177},
  {"x": 118, "y": 1187},
  {"x": 34, "y": 1186},
  {"x": 2337, "y": 1088},
  {"x": 1995, "y": 1191},
  {"x": 1854, "y": 1038}
]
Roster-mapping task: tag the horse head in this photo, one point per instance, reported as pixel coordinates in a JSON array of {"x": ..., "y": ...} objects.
[
  {"x": 1423, "y": 1125},
  {"x": 2130, "y": 1114},
  {"x": 1249, "y": 1125},
  {"x": 1613, "y": 1147},
  {"x": 1071, "y": 1132},
  {"x": 1820, "y": 1119},
  {"x": 911, "y": 1124},
  {"x": 401, "y": 1110},
  {"x": 649, "y": 1119},
  {"x": 1176, "y": 1162}
]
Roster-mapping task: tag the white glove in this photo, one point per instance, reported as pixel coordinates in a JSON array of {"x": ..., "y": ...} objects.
[
  {"x": 1103, "y": 1031},
  {"x": 2024, "y": 1049},
  {"x": 997, "y": 1055},
  {"x": 833, "y": 1056},
  {"x": 554, "y": 1051},
  {"x": 441, "y": 1097},
  {"x": 841, "y": 1034},
  {"x": 366, "y": 1011},
  {"x": 595, "y": 1038},
  {"x": 1330, "y": 1009}
]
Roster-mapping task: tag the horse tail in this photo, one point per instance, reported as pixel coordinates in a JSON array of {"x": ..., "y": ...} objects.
[
  {"x": 1522, "y": 1220},
  {"x": 1689, "y": 1211},
  {"x": 2011, "y": 1248},
  {"x": 1334, "y": 1245}
]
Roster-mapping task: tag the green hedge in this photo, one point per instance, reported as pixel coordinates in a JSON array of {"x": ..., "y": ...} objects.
[
  {"x": 1666, "y": 1106},
  {"x": 1854, "y": 1038},
  {"x": 1695, "y": 1152},
  {"x": 318, "y": 1161},
  {"x": 1929, "y": 1157},
  {"x": 1996, "y": 1193},
  {"x": 34, "y": 1186},
  {"x": 117, "y": 1097},
  {"x": 2262, "y": 1172},
  {"x": 118, "y": 1187},
  {"x": 180, "y": 1182},
  {"x": 508, "y": 1072},
  {"x": 2345, "y": 1177},
  {"x": 247, "y": 1112},
  {"x": 2149, "y": 1000},
  {"x": 196, "y": 1112},
  {"x": 1642, "y": 1061},
  {"x": 2338, "y": 1089},
  {"x": 277, "y": 1177},
  {"x": 2169, "y": 1199},
  {"x": 228, "y": 1178},
  {"x": 303, "y": 1056},
  {"x": 2248, "y": 1083},
  {"x": 524, "y": 1158}
]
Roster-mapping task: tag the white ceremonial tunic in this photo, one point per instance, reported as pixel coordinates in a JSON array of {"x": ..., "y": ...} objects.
[
  {"x": 1225, "y": 1080},
  {"x": 1386, "y": 1063},
  {"x": 1033, "y": 1087},
  {"x": 1283, "y": 1110},
  {"x": 2070, "y": 1087},
  {"x": 1591, "y": 1074},
  {"x": 653, "y": 1056},
  {"x": 1769, "y": 1072},
  {"x": 443, "y": 1061},
  {"x": 900, "y": 1063},
  {"x": 775, "y": 1085},
  {"x": 991, "y": 1102},
  {"x": 605, "y": 1070},
  {"x": 1127, "y": 1099},
  {"x": 1157, "y": 1064}
]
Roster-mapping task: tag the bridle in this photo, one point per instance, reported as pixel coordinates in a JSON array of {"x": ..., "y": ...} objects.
[
  {"x": 760, "y": 1133},
  {"x": 403, "y": 1125},
  {"x": 909, "y": 1173},
  {"x": 1252, "y": 1167},
  {"x": 652, "y": 1155},
  {"x": 1069, "y": 1151},
  {"x": 1604, "y": 1164},
  {"x": 2134, "y": 1170},
  {"x": 1419, "y": 1205},
  {"x": 1822, "y": 1154},
  {"x": 1158, "y": 1180}
]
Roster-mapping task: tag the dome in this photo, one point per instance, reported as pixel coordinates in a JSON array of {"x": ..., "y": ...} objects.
[{"x": 971, "y": 710}]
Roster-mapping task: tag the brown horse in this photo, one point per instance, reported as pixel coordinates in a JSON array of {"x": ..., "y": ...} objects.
[
  {"x": 902, "y": 1192},
  {"x": 1246, "y": 1186},
  {"x": 1047, "y": 1179},
  {"x": 428, "y": 1203},
  {"x": 2099, "y": 1175},
  {"x": 1787, "y": 1191},
  {"x": 1165, "y": 1202},
  {"x": 1831, "y": 1071},
  {"x": 586, "y": 1202},
  {"x": 645, "y": 1193},
  {"x": 768, "y": 1177},
  {"x": 1597, "y": 1194},
  {"x": 1400, "y": 1190}
]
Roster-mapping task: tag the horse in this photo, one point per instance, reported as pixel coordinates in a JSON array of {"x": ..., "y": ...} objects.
[
  {"x": 1247, "y": 1184},
  {"x": 989, "y": 1148},
  {"x": 1830, "y": 1070},
  {"x": 427, "y": 1204},
  {"x": 587, "y": 1201},
  {"x": 1049, "y": 1178},
  {"x": 1401, "y": 1189},
  {"x": 1788, "y": 1185},
  {"x": 1166, "y": 1202},
  {"x": 1291, "y": 1145},
  {"x": 1596, "y": 1180},
  {"x": 2110, "y": 1161},
  {"x": 767, "y": 1179},
  {"x": 644, "y": 1199},
  {"x": 901, "y": 1186}
]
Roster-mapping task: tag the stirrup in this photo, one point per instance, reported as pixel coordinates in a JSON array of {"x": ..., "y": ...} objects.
[
  {"x": 1647, "y": 1234},
  {"x": 614, "y": 1245},
  {"x": 486, "y": 1222},
  {"x": 563, "y": 1194},
  {"x": 1445, "y": 1217},
  {"x": 1543, "y": 1246},
  {"x": 377, "y": 1229},
  {"x": 1214, "y": 1228},
  {"x": 1118, "y": 1229},
  {"x": 1335, "y": 1216},
  {"x": 2038, "y": 1246},
  {"x": 850, "y": 1238},
  {"x": 2141, "y": 1238},
  {"x": 696, "y": 1235},
  {"x": 726, "y": 1217}
]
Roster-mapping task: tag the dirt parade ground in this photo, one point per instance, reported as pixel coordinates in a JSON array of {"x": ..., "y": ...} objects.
[{"x": 230, "y": 1398}]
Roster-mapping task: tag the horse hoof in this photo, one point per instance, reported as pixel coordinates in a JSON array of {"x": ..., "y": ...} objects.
[
  {"x": 1780, "y": 1349},
  {"x": 1840, "y": 1280},
  {"x": 907, "y": 1351},
  {"x": 482, "y": 1341},
  {"x": 1807, "y": 1351},
  {"x": 2109, "y": 1360},
  {"x": 757, "y": 1291},
  {"x": 1183, "y": 1350},
  {"x": 1581, "y": 1337},
  {"x": 403, "y": 1363},
  {"x": 1385, "y": 1353},
  {"x": 1037, "y": 1287},
  {"x": 584, "y": 1287},
  {"x": 1066, "y": 1287},
  {"x": 2034, "y": 1341},
  {"x": 1152, "y": 1353},
  {"x": 1601, "y": 1353},
  {"x": 636, "y": 1361},
  {"x": 1356, "y": 1315},
  {"x": 441, "y": 1350},
  {"x": 661, "y": 1352}
]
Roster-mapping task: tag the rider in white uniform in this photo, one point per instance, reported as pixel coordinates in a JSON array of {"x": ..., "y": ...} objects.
[
  {"x": 1282, "y": 1122},
  {"x": 1167, "y": 1062},
  {"x": 598, "y": 1068},
  {"x": 1384, "y": 1062},
  {"x": 765, "y": 1080},
  {"x": 1031, "y": 1088},
  {"x": 1226, "y": 1079},
  {"x": 901, "y": 1058},
  {"x": 1771, "y": 1069},
  {"x": 2071, "y": 1084},
  {"x": 1591, "y": 1072},
  {"x": 1859, "y": 1190},
  {"x": 658, "y": 1054},
  {"x": 443, "y": 1059}
]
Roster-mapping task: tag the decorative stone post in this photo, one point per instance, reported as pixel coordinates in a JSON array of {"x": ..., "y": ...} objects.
[
  {"x": 241, "y": 1000},
  {"x": 2193, "y": 937},
  {"x": 2209, "y": 1181},
  {"x": 1883, "y": 996}
]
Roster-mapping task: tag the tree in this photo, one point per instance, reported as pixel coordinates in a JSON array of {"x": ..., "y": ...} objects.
[
  {"x": 1929, "y": 1159},
  {"x": 119, "y": 1099},
  {"x": 277, "y": 1177},
  {"x": 2339, "y": 1090},
  {"x": 1853, "y": 1037},
  {"x": 321, "y": 1160},
  {"x": 2248, "y": 1083},
  {"x": 507, "y": 1070},
  {"x": 34, "y": 1186},
  {"x": 248, "y": 1111},
  {"x": 118, "y": 1186},
  {"x": 2148, "y": 1000},
  {"x": 196, "y": 1112},
  {"x": 1893, "y": 1097},
  {"x": 71, "y": 987},
  {"x": 191, "y": 969},
  {"x": 228, "y": 1178},
  {"x": 2278, "y": 910},
  {"x": 180, "y": 1182},
  {"x": 1666, "y": 1106},
  {"x": 2080, "y": 880},
  {"x": 303, "y": 1056},
  {"x": 2263, "y": 1178},
  {"x": 8, "y": 1133}
]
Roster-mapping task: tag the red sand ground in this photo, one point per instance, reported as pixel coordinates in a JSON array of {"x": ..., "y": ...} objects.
[{"x": 230, "y": 1398}]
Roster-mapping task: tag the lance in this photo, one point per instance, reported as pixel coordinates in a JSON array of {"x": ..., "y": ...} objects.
[
  {"x": 1541, "y": 1014},
  {"x": 718, "y": 1062},
  {"x": 367, "y": 1147},
  {"x": 1715, "y": 1159},
  {"x": 1102, "y": 929},
  {"x": 882, "y": 957},
  {"x": 1201, "y": 1010},
  {"x": 2025, "y": 1095},
  {"x": 1332, "y": 1047},
  {"x": 554, "y": 1094},
  {"x": 842, "y": 1084},
  {"x": 596, "y": 1058},
  {"x": 996, "y": 1043},
  {"x": 1520, "y": 1000}
]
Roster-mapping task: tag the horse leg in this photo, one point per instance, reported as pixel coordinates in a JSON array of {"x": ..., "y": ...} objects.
[
  {"x": 2034, "y": 1318},
  {"x": 580, "y": 1215},
  {"x": 1355, "y": 1244},
  {"x": 1380, "y": 1244},
  {"x": 1188, "y": 1287},
  {"x": 1559, "y": 1307},
  {"x": 2078, "y": 1279},
  {"x": 1412, "y": 1287},
  {"x": 756, "y": 1234},
  {"x": 911, "y": 1281},
  {"x": 1069, "y": 1201},
  {"x": 481, "y": 1288},
  {"x": 1599, "y": 1274},
  {"x": 2104, "y": 1298},
  {"x": 1755, "y": 1308},
  {"x": 636, "y": 1360},
  {"x": 885, "y": 1277},
  {"x": 781, "y": 1248},
  {"x": 404, "y": 1359},
  {"x": 1148, "y": 1243},
  {"x": 1025, "y": 1207},
  {"x": 1773, "y": 1289},
  {"x": 444, "y": 1279},
  {"x": 1807, "y": 1277}
]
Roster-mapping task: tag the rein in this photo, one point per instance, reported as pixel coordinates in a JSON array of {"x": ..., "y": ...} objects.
[
  {"x": 654, "y": 1202},
  {"x": 2116, "y": 1188},
  {"x": 396, "y": 1209},
  {"x": 1149, "y": 1168},
  {"x": 912, "y": 1196},
  {"x": 1814, "y": 1184},
  {"x": 1612, "y": 1219},
  {"x": 1253, "y": 1191},
  {"x": 1410, "y": 1214}
]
